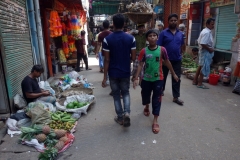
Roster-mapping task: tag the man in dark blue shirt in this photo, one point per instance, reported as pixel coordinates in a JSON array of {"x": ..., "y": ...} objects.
[
  {"x": 173, "y": 40},
  {"x": 119, "y": 49}
]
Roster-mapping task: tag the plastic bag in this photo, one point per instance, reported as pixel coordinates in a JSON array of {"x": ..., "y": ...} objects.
[
  {"x": 237, "y": 87},
  {"x": 47, "y": 106},
  {"x": 80, "y": 98},
  {"x": 46, "y": 86},
  {"x": 19, "y": 116},
  {"x": 73, "y": 75},
  {"x": 12, "y": 124},
  {"x": 26, "y": 122},
  {"x": 39, "y": 115},
  {"x": 19, "y": 101}
]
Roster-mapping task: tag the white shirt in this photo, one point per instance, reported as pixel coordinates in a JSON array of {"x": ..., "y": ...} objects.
[{"x": 205, "y": 37}]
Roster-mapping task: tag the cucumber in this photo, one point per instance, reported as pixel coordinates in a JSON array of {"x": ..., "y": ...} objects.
[{"x": 54, "y": 118}]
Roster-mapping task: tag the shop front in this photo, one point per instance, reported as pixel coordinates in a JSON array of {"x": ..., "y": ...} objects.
[
  {"x": 225, "y": 30},
  {"x": 15, "y": 48},
  {"x": 62, "y": 24}
]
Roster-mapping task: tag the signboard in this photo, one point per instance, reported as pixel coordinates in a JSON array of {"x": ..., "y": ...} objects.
[
  {"x": 158, "y": 9},
  {"x": 194, "y": 11},
  {"x": 184, "y": 9},
  {"x": 218, "y": 3},
  {"x": 207, "y": 10}
]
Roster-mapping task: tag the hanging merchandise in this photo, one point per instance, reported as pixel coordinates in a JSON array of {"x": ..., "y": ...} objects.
[
  {"x": 65, "y": 40},
  {"x": 75, "y": 25},
  {"x": 55, "y": 24},
  {"x": 71, "y": 44}
]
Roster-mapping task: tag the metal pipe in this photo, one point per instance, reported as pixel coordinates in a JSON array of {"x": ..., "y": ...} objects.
[
  {"x": 33, "y": 31},
  {"x": 47, "y": 42},
  {"x": 40, "y": 38}
]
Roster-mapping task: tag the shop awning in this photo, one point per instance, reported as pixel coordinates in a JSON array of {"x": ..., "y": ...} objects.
[
  {"x": 110, "y": 7},
  {"x": 74, "y": 4}
]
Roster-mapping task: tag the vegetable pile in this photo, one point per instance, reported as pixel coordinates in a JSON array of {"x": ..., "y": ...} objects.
[
  {"x": 76, "y": 104},
  {"x": 62, "y": 117},
  {"x": 187, "y": 62},
  {"x": 54, "y": 140}
]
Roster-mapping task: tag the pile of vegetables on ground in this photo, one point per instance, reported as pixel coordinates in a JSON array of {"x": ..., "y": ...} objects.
[
  {"x": 188, "y": 64},
  {"x": 54, "y": 140},
  {"x": 54, "y": 136},
  {"x": 76, "y": 104}
]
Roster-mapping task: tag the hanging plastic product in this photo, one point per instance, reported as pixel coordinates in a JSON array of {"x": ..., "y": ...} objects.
[{"x": 55, "y": 24}]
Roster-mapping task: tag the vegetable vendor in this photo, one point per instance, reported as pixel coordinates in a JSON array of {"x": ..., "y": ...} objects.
[{"x": 31, "y": 90}]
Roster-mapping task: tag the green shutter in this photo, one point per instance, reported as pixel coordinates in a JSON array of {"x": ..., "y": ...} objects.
[
  {"x": 226, "y": 27},
  {"x": 15, "y": 44}
]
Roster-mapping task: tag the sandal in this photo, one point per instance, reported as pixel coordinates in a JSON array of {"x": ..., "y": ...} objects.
[
  {"x": 178, "y": 101},
  {"x": 146, "y": 112},
  {"x": 155, "y": 128},
  {"x": 202, "y": 86}
]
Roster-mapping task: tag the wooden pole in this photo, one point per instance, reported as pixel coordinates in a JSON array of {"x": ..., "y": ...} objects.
[{"x": 47, "y": 42}]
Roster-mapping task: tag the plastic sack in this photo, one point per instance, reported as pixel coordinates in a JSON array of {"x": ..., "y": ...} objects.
[
  {"x": 237, "y": 87},
  {"x": 39, "y": 115},
  {"x": 34, "y": 104},
  {"x": 19, "y": 101},
  {"x": 80, "y": 98},
  {"x": 19, "y": 116},
  {"x": 73, "y": 75},
  {"x": 26, "y": 122},
  {"x": 47, "y": 106},
  {"x": 46, "y": 86},
  {"x": 12, "y": 124}
]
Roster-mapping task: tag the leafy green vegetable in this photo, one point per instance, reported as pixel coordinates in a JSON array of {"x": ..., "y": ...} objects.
[{"x": 48, "y": 154}]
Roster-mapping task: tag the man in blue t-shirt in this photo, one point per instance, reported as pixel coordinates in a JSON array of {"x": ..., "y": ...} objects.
[
  {"x": 173, "y": 40},
  {"x": 119, "y": 49}
]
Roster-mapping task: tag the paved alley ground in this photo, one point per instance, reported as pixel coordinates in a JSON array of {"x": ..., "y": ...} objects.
[{"x": 206, "y": 127}]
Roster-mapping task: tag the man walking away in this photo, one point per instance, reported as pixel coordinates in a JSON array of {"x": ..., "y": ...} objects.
[
  {"x": 119, "y": 49},
  {"x": 101, "y": 36},
  {"x": 206, "y": 52},
  {"x": 99, "y": 54},
  {"x": 173, "y": 40},
  {"x": 81, "y": 52}
]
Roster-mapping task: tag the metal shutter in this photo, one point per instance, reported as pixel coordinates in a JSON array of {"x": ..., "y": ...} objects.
[
  {"x": 226, "y": 27},
  {"x": 15, "y": 44}
]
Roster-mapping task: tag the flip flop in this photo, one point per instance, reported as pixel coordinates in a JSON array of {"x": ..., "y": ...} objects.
[
  {"x": 178, "y": 101},
  {"x": 202, "y": 86},
  {"x": 146, "y": 112},
  {"x": 155, "y": 128}
]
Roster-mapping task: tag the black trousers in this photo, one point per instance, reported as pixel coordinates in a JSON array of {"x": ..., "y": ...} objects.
[
  {"x": 81, "y": 56},
  {"x": 175, "y": 85}
]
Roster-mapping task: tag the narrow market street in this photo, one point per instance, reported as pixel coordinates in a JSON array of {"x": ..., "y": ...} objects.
[{"x": 206, "y": 127}]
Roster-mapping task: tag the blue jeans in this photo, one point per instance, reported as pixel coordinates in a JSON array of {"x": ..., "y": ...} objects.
[
  {"x": 155, "y": 87},
  {"x": 100, "y": 60},
  {"x": 120, "y": 86}
]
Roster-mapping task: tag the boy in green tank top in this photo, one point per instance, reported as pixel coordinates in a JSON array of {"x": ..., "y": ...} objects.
[{"x": 152, "y": 58}]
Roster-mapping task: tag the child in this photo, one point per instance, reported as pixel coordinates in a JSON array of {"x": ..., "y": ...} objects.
[
  {"x": 152, "y": 58},
  {"x": 195, "y": 54}
]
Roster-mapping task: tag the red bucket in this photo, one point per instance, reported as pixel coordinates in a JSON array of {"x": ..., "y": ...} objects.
[{"x": 213, "y": 79}]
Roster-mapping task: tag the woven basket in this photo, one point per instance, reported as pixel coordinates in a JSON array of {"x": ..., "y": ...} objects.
[{"x": 139, "y": 18}]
